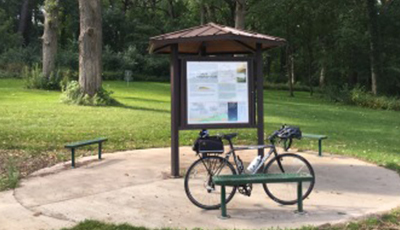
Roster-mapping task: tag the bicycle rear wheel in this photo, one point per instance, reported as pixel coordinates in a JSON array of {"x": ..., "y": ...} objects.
[
  {"x": 286, "y": 193},
  {"x": 199, "y": 186}
]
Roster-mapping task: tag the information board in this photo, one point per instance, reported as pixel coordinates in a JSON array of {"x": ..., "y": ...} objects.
[{"x": 217, "y": 92}]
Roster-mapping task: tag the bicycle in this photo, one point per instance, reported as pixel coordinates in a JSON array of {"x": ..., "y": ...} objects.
[{"x": 203, "y": 193}]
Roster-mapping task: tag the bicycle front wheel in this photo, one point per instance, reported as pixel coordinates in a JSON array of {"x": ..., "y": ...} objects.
[
  {"x": 286, "y": 193},
  {"x": 199, "y": 186}
]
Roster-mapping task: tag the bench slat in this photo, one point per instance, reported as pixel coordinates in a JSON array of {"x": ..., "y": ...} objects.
[
  {"x": 315, "y": 136},
  {"x": 83, "y": 143},
  {"x": 261, "y": 178}
]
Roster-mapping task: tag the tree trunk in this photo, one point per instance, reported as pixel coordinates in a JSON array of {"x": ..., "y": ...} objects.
[
  {"x": 322, "y": 77},
  {"x": 374, "y": 44},
  {"x": 202, "y": 12},
  {"x": 25, "y": 20},
  {"x": 209, "y": 8},
  {"x": 232, "y": 12},
  {"x": 240, "y": 14},
  {"x": 49, "y": 37},
  {"x": 171, "y": 9},
  {"x": 90, "y": 45},
  {"x": 310, "y": 67},
  {"x": 290, "y": 69}
]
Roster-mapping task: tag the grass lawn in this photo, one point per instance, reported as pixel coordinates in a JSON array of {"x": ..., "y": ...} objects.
[
  {"x": 389, "y": 221},
  {"x": 34, "y": 125}
]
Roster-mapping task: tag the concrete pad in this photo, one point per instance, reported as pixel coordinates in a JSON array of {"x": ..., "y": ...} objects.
[
  {"x": 134, "y": 187},
  {"x": 16, "y": 217}
]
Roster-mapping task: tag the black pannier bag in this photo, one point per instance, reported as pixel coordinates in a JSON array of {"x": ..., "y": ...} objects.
[{"x": 210, "y": 144}]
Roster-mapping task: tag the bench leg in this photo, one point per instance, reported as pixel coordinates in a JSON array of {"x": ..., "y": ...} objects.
[
  {"x": 299, "y": 197},
  {"x": 320, "y": 147},
  {"x": 73, "y": 158},
  {"x": 223, "y": 204},
  {"x": 99, "y": 150}
]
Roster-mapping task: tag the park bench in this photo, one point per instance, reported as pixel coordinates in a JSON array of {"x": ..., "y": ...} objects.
[
  {"x": 311, "y": 136},
  {"x": 75, "y": 145},
  {"x": 318, "y": 137},
  {"x": 236, "y": 180}
]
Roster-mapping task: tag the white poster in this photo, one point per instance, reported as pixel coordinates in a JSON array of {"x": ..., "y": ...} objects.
[{"x": 217, "y": 92}]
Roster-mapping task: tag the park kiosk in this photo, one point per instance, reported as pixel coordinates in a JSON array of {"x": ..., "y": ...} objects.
[{"x": 216, "y": 79}]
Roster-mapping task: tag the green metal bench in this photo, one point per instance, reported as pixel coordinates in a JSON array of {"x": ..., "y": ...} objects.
[
  {"x": 235, "y": 180},
  {"x": 75, "y": 145},
  {"x": 318, "y": 137}
]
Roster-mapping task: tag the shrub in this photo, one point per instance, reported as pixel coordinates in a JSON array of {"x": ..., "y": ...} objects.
[
  {"x": 285, "y": 86},
  {"x": 337, "y": 94},
  {"x": 34, "y": 78},
  {"x": 111, "y": 75},
  {"x": 11, "y": 178},
  {"x": 72, "y": 94},
  {"x": 68, "y": 58},
  {"x": 360, "y": 97}
]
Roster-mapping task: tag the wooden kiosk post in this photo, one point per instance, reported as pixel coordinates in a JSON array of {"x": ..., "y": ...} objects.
[{"x": 211, "y": 44}]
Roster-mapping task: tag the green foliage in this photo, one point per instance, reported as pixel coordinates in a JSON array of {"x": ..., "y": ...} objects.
[
  {"x": 112, "y": 75},
  {"x": 385, "y": 221},
  {"x": 72, "y": 94},
  {"x": 285, "y": 86},
  {"x": 13, "y": 60},
  {"x": 132, "y": 59},
  {"x": 8, "y": 38},
  {"x": 34, "y": 78},
  {"x": 37, "y": 122},
  {"x": 360, "y": 97},
  {"x": 97, "y": 225},
  {"x": 11, "y": 177},
  {"x": 68, "y": 58},
  {"x": 330, "y": 35}
]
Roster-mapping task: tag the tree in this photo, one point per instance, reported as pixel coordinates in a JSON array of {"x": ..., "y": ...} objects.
[
  {"x": 374, "y": 44},
  {"x": 50, "y": 37},
  {"x": 90, "y": 46},
  {"x": 240, "y": 14},
  {"x": 25, "y": 20}
]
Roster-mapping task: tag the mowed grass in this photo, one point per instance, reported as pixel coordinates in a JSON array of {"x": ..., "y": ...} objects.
[
  {"x": 35, "y": 125},
  {"x": 389, "y": 221},
  {"x": 36, "y": 122}
]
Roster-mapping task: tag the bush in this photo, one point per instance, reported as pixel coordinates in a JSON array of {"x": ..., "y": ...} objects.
[
  {"x": 110, "y": 75},
  {"x": 14, "y": 60},
  {"x": 285, "y": 86},
  {"x": 360, "y": 97},
  {"x": 72, "y": 94},
  {"x": 337, "y": 94},
  {"x": 34, "y": 78},
  {"x": 11, "y": 177},
  {"x": 68, "y": 58}
]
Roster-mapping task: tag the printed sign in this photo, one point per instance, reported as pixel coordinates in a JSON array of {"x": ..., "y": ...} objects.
[{"x": 217, "y": 92}]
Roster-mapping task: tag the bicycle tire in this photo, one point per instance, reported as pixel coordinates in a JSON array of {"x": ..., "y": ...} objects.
[
  {"x": 206, "y": 186},
  {"x": 276, "y": 191}
]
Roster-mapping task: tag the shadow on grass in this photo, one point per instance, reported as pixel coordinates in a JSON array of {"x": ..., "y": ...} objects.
[
  {"x": 144, "y": 99},
  {"x": 138, "y": 108}
]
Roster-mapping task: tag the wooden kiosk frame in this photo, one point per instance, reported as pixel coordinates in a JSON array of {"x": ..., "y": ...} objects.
[{"x": 212, "y": 42}]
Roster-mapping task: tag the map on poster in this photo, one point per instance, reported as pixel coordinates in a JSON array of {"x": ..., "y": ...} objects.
[{"x": 217, "y": 92}]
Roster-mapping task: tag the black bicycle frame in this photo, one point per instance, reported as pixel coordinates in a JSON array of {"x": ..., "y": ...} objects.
[{"x": 236, "y": 160}]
